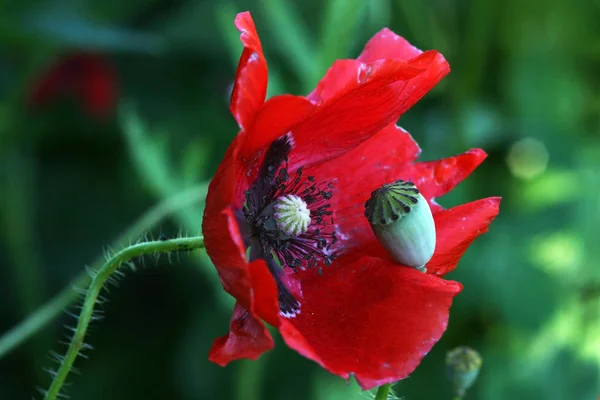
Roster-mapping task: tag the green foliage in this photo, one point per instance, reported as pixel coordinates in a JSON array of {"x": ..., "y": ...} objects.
[{"x": 70, "y": 183}]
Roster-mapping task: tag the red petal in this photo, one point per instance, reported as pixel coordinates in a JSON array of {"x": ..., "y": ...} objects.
[
  {"x": 99, "y": 89},
  {"x": 247, "y": 338},
  {"x": 336, "y": 78},
  {"x": 251, "y": 284},
  {"x": 457, "y": 228},
  {"x": 229, "y": 257},
  {"x": 355, "y": 174},
  {"x": 369, "y": 318},
  {"x": 254, "y": 288},
  {"x": 276, "y": 117},
  {"x": 383, "y": 159},
  {"x": 385, "y": 45},
  {"x": 225, "y": 191},
  {"x": 250, "y": 87},
  {"x": 361, "y": 100},
  {"x": 87, "y": 76},
  {"x": 436, "y": 178}
]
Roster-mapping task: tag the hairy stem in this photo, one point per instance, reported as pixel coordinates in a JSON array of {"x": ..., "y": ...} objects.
[
  {"x": 383, "y": 392},
  {"x": 100, "y": 278},
  {"x": 54, "y": 307}
]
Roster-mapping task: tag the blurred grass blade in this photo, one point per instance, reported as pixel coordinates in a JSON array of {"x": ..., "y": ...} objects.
[
  {"x": 18, "y": 229},
  {"x": 414, "y": 13},
  {"x": 225, "y": 14},
  {"x": 152, "y": 164},
  {"x": 337, "y": 30},
  {"x": 293, "y": 38},
  {"x": 70, "y": 29},
  {"x": 379, "y": 13},
  {"x": 193, "y": 162},
  {"x": 481, "y": 26},
  {"x": 148, "y": 153}
]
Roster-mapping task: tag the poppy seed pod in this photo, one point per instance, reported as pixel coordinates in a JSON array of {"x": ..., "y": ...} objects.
[
  {"x": 402, "y": 222},
  {"x": 462, "y": 365}
]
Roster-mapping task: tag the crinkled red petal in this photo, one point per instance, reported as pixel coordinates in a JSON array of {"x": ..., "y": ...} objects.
[
  {"x": 255, "y": 290},
  {"x": 457, "y": 228},
  {"x": 386, "y": 157},
  {"x": 247, "y": 338},
  {"x": 374, "y": 96},
  {"x": 386, "y": 44},
  {"x": 229, "y": 258},
  {"x": 369, "y": 318},
  {"x": 250, "y": 283},
  {"x": 436, "y": 178},
  {"x": 250, "y": 86},
  {"x": 275, "y": 118}
]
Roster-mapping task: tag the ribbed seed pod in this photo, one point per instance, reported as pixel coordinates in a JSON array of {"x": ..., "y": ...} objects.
[{"x": 402, "y": 222}]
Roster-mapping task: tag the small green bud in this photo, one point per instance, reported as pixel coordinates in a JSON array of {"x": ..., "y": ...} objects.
[
  {"x": 403, "y": 223},
  {"x": 462, "y": 366}
]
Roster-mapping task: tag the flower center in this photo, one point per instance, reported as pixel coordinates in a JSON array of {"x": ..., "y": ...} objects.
[
  {"x": 292, "y": 215},
  {"x": 288, "y": 218}
]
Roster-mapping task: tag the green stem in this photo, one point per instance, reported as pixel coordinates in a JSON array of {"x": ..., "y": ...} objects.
[
  {"x": 54, "y": 307},
  {"x": 100, "y": 278},
  {"x": 383, "y": 392}
]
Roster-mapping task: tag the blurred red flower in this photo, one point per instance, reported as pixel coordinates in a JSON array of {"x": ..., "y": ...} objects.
[
  {"x": 333, "y": 292},
  {"x": 86, "y": 78}
]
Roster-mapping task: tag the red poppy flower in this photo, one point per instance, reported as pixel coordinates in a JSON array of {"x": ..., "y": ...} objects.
[
  {"x": 85, "y": 77},
  {"x": 333, "y": 292}
]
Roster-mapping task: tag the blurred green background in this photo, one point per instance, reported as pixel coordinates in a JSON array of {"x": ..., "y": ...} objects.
[{"x": 524, "y": 87}]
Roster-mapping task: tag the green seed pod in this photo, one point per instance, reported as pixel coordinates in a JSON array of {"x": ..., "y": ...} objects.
[
  {"x": 462, "y": 366},
  {"x": 402, "y": 222}
]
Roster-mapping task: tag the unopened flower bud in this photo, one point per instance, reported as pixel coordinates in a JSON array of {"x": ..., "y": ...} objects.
[
  {"x": 462, "y": 366},
  {"x": 402, "y": 222}
]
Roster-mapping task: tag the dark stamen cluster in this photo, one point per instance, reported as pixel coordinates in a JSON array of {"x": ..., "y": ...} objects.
[
  {"x": 306, "y": 250},
  {"x": 309, "y": 248}
]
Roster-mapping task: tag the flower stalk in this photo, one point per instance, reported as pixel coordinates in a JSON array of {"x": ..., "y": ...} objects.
[
  {"x": 54, "y": 307},
  {"x": 91, "y": 298},
  {"x": 383, "y": 392}
]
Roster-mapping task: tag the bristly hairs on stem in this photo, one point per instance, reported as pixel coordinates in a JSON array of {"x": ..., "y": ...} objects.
[
  {"x": 36, "y": 321},
  {"x": 92, "y": 298},
  {"x": 383, "y": 392}
]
